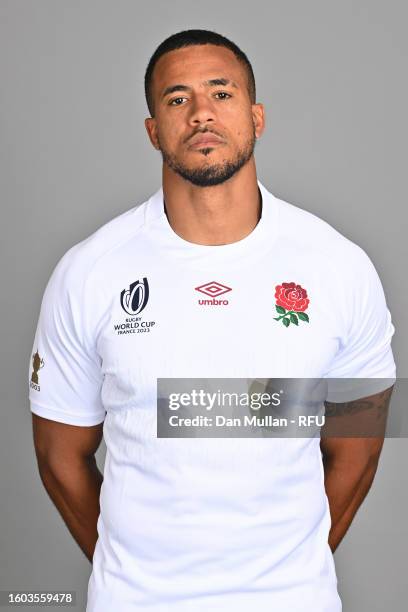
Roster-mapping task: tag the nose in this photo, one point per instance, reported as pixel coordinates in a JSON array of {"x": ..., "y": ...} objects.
[{"x": 201, "y": 110}]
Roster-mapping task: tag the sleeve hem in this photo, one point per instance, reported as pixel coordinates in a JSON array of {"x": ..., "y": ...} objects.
[
  {"x": 64, "y": 417},
  {"x": 359, "y": 388}
]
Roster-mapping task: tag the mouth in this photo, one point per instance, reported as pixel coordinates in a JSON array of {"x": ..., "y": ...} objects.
[{"x": 205, "y": 140}]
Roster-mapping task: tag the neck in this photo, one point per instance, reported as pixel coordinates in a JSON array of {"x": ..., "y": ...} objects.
[{"x": 216, "y": 215}]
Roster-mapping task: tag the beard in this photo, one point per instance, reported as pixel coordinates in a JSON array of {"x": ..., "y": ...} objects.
[{"x": 210, "y": 175}]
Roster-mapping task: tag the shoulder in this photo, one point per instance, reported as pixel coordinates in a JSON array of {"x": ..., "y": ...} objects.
[
  {"x": 341, "y": 266},
  {"x": 313, "y": 235},
  {"x": 75, "y": 266}
]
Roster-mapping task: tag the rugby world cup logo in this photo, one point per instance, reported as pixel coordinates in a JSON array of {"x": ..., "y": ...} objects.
[{"x": 134, "y": 299}]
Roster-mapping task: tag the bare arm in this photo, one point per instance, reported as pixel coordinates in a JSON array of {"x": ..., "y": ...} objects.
[
  {"x": 350, "y": 463},
  {"x": 68, "y": 470}
]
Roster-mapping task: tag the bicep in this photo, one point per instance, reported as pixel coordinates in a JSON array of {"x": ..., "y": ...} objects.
[
  {"x": 54, "y": 441},
  {"x": 354, "y": 431},
  {"x": 351, "y": 452}
]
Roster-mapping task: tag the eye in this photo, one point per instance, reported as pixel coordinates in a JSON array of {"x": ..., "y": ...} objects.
[
  {"x": 172, "y": 102},
  {"x": 223, "y": 93}
]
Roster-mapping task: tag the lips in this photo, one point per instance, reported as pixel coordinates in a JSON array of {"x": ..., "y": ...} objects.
[{"x": 205, "y": 140}]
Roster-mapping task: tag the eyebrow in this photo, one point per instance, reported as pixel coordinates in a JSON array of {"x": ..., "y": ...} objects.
[{"x": 210, "y": 83}]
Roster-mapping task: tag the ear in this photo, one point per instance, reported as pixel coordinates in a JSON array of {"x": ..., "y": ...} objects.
[
  {"x": 151, "y": 128},
  {"x": 258, "y": 118}
]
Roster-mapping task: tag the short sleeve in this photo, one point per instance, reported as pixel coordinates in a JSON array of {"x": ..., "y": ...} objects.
[
  {"x": 365, "y": 355},
  {"x": 65, "y": 375}
]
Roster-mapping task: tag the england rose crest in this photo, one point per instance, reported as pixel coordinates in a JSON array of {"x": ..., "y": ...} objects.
[{"x": 291, "y": 303}]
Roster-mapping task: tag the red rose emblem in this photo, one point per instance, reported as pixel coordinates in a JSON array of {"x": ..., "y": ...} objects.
[
  {"x": 291, "y": 297},
  {"x": 291, "y": 303}
]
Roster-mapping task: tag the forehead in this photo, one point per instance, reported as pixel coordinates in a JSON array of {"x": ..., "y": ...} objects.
[{"x": 197, "y": 63}]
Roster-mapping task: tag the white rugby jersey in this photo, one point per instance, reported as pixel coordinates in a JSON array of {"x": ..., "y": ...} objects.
[{"x": 220, "y": 524}]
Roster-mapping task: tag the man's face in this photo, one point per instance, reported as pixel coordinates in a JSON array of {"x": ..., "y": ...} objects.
[{"x": 205, "y": 124}]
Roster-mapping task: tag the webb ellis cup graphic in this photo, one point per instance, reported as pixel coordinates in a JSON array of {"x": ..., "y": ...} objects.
[
  {"x": 38, "y": 363},
  {"x": 134, "y": 299}
]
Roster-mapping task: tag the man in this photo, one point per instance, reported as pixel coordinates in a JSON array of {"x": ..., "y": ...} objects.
[{"x": 203, "y": 524}]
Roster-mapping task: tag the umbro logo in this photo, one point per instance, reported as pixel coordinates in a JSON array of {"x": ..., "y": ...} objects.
[{"x": 214, "y": 290}]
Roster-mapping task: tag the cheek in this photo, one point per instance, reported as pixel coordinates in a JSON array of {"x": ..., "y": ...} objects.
[
  {"x": 167, "y": 138},
  {"x": 168, "y": 130},
  {"x": 242, "y": 127}
]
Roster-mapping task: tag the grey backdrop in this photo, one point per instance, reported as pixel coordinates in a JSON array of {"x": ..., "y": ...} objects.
[{"x": 74, "y": 153}]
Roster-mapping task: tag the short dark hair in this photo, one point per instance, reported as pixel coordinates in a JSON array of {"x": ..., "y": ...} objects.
[{"x": 188, "y": 38}]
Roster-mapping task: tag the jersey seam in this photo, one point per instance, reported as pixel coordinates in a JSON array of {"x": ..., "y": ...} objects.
[{"x": 109, "y": 251}]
